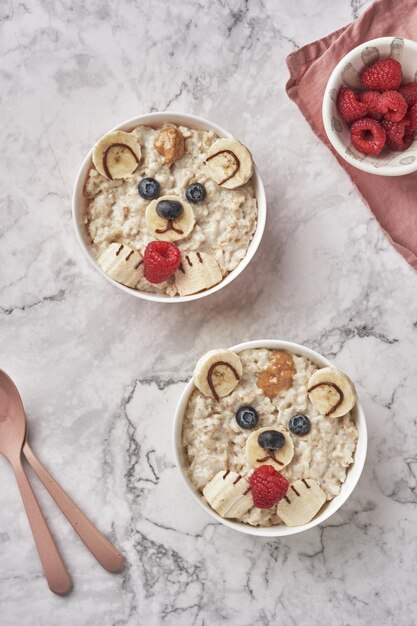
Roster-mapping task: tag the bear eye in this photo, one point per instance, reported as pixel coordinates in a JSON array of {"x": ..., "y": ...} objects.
[
  {"x": 196, "y": 192},
  {"x": 247, "y": 417},
  {"x": 299, "y": 424},
  {"x": 149, "y": 188}
]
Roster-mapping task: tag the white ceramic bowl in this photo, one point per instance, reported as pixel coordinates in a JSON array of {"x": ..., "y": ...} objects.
[
  {"x": 79, "y": 204},
  {"x": 347, "y": 72},
  {"x": 330, "y": 507}
]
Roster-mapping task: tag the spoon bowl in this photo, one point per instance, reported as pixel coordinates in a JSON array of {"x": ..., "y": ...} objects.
[{"x": 12, "y": 418}]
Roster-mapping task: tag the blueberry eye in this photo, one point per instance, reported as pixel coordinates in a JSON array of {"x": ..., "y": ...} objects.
[
  {"x": 271, "y": 440},
  {"x": 195, "y": 193},
  {"x": 247, "y": 417},
  {"x": 149, "y": 188},
  {"x": 299, "y": 424}
]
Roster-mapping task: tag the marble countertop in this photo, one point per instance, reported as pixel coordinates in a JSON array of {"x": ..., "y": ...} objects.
[{"x": 101, "y": 372}]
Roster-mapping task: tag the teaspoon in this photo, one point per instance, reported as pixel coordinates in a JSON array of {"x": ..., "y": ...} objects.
[
  {"x": 104, "y": 551},
  {"x": 12, "y": 438}
]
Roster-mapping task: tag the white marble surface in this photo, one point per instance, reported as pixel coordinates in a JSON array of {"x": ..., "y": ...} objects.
[{"x": 100, "y": 372}]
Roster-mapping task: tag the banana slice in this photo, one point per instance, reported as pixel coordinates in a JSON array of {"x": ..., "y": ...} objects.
[
  {"x": 122, "y": 263},
  {"x": 117, "y": 155},
  {"x": 169, "y": 230},
  {"x": 228, "y": 494},
  {"x": 229, "y": 163},
  {"x": 217, "y": 373},
  {"x": 331, "y": 392},
  {"x": 257, "y": 456},
  {"x": 303, "y": 501},
  {"x": 197, "y": 271}
]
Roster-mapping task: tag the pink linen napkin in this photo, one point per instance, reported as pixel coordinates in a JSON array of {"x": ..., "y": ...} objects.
[{"x": 393, "y": 200}]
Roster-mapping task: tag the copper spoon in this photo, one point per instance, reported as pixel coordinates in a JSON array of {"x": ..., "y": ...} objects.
[
  {"x": 12, "y": 438},
  {"x": 105, "y": 553}
]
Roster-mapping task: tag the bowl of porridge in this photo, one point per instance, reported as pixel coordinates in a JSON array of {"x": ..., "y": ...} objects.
[
  {"x": 269, "y": 437},
  {"x": 169, "y": 207}
]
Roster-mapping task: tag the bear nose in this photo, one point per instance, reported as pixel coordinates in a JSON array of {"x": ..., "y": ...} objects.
[{"x": 169, "y": 209}]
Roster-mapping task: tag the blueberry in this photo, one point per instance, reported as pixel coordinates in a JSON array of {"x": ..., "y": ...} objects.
[
  {"x": 149, "y": 188},
  {"x": 271, "y": 440},
  {"x": 299, "y": 424},
  {"x": 169, "y": 209},
  {"x": 195, "y": 193},
  {"x": 247, "y": 417}
]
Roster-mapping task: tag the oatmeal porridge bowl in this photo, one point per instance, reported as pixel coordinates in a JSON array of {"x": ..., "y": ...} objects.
[
  {"x": 169, "y": 207},
  {"x": 269, "y": 437}
]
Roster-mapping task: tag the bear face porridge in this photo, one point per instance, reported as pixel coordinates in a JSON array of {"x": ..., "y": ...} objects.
[
  {"x": 267, "y": 435},
  {"x": 170, "y": 210}
]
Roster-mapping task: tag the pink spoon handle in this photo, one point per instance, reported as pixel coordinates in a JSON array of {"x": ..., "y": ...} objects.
[
  {"x": 56, "y": 573},
  {"x": 104, "y": 551}
]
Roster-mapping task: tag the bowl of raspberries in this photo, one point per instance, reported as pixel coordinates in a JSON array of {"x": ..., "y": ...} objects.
[{"x": 370, "y": 107}]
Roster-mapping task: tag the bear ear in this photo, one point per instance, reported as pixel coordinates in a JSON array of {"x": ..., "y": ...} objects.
[
  {"x": 117, "y": 155},
  {"x": 229, "y": 163},
  {"x": 170, "y": 144}
]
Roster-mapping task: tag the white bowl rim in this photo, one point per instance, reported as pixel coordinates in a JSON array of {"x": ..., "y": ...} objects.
[
  {"x": 348, "y": 486},
  {"x": 161, "y": 117},
  {"x": 385, "y": 170}
]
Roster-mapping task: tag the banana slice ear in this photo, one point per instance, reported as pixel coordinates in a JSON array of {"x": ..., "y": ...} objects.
[
  {"x": 258, "y": 456},
  {"x": 331, "y": 392},
  {"x": 117, "y": 155},
  {"x": 303, "y": 501},
  {"x": 169, "y": 230},
  {"x": 217, "y": 373},
  {"x": 198, "y": 271},
  {"x": 123, "y": 264},
  {"x": 229, "y": 163},
  {"x": 228, "y": 494}
]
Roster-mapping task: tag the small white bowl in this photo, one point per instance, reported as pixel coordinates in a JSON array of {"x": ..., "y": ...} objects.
[
  {"x": 347, "y": 72},
  {"x": 353, "y": 473},
  {"x": 155, "y": 120}
]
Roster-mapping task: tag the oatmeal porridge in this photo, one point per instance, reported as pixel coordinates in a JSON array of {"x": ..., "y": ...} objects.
[
  {"x": 268, "y": 436},
  {"x": 170, "y": 210}
]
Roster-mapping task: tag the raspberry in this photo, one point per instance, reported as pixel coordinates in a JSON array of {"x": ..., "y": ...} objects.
[
  {"x": 161, "y": 259},
  {"x": 400, "y": 135},
  {"x": 372, "y": 101},
  {"x": 382, "y": 75},
  {"x": 268, "y": 486},
  {"x": 413, "y": 117},
  {"x": 368, "y": 136},
  {"x": 349, "y": 106},
  {"x": 409, "y": 93},
  {"x": 407, "y": 119},
  {"x": 393, "y": 106},
  {"x": 408, "y": 138},
  {"x": 405, "y": 143},
  {"x": 395, "y": 134}
]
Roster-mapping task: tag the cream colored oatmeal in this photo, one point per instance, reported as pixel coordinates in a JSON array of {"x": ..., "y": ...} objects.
[
  {"x": 214, "y": 441},
  {"x": 223, "y": 224}
]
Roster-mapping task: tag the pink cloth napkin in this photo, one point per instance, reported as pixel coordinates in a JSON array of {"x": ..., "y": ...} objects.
[{"x": 393, "y": 201}]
